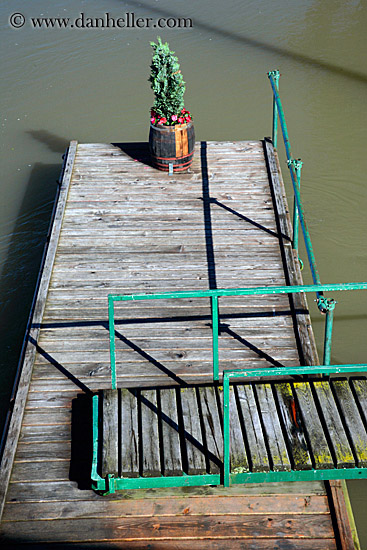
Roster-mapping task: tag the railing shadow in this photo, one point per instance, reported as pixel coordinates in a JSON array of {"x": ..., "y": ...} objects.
[
  {"x": 151, "y": 359},
  {"x": 209, "y": 245},
  {"x": 223, "y": 328},
  {"x": 248, "y": 220},
  {"x": 59, "y": 367}
]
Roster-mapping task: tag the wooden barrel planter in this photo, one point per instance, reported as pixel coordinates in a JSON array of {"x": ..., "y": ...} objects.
[{"x": 172, "y": 144}]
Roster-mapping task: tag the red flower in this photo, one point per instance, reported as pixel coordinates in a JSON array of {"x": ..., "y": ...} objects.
[
  {"x": 162, "y": 120},
  {"x": 181, "y": 120}
]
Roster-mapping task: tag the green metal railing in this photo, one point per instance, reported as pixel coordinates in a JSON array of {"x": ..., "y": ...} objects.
[
  {"x": 325, "y": 305},
  {"x": 294, "y": 166},
  {"x": 214, "y": 294}
]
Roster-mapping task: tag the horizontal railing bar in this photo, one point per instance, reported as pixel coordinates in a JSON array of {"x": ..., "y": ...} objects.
[
  {"x": 251, "y": 291},
  {"x": 283, "y": 371}
]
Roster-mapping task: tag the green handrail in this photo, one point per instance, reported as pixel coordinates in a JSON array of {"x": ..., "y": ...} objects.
[
  {"x": 295, "y": 179},
  {"x": 214, "y": 294},
  {"x": 267, "y": 373},
  {"x": 325, "y": 305}
]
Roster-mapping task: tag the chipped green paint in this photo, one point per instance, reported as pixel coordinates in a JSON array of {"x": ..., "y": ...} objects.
[{"x": 240, "y": 470}]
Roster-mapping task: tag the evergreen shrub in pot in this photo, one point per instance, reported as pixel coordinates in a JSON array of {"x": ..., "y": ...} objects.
[{"x": 171, "y": 136}]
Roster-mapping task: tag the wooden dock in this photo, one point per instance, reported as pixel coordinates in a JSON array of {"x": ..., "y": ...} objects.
[{"x": 123, "y": 227}]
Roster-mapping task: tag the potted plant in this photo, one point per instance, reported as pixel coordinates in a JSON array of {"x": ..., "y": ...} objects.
[{"x": 171, "y": 137}]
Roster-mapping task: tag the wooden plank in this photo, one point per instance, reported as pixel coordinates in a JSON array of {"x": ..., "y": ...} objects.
[
  {"x": 151, "y": 466},
  {"x": 45, "y": 417},
  {"x": 352, "y": 420},
  {"x": 172, "y": 462},
  {"x": 53, "y": 470},
  {"x": 151, "y": 261},
  {"x": 55, "y": 335},
  {"x": 238, "y": 453},
  {"x": 272, "y": 428},
  {"x": 175, "y": 359},
  {"x": 261, "y": 341},
  {"x": 32, "y": 330},
  {"x": 92, "y": 248},
  {"x": 50, "y": 401},
  {"x": 344, "y": 515},
  {"x": 319, "y": 446},
  {"x": 43, "y": 451},
  {"x": 253, "y": 429},
  {"x": 162, "y": 527},
  {"x": 343, "y": 453},
  {"x": 212, "y": 428},
  {"x": 167, "y": 506},
  {"x": 129, "y": 445},
  {"x": 360, "y": 391},
  {"x": 192, "y": 272},
  {"x": 193, "y": 437},
  {"x": 210, "y": 544},
  {"x": 293, "y": 425},
  {"x": 59, "y": 491},
  {"x": 49, "y": 434},
  {"x": 145, "y": 379}
]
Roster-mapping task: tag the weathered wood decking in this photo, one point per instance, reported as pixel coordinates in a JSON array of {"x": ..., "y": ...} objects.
[
  {"x": 128, "y": 228},
  {"x": 125, "y": 231}
]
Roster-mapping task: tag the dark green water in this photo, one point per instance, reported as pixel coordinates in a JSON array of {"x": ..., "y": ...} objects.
[{"x": 91, "y": 85}]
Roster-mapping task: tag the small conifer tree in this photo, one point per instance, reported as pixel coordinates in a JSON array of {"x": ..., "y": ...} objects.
[{"x": 168, "y": 86}]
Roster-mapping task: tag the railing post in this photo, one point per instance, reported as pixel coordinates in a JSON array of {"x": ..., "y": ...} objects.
[
  {"x": 111, "y": 326},
  {"x": 275, "y": 75},
  {"x": 215, "y": 331},
  {"x": 226, "y": 432},
  {"x": 297, "y": 164},
  {"x": 327, "y": 306}
]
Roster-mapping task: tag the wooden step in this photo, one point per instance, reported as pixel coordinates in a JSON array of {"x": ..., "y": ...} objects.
[{"x": 278, "y": 426}]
